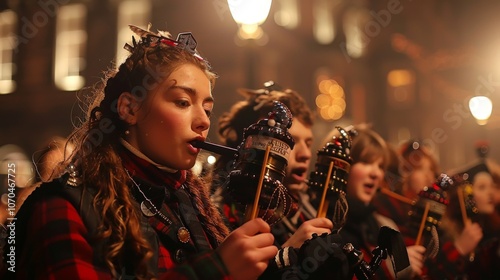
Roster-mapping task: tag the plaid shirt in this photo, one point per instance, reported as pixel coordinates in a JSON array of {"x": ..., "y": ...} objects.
[
  {"x": 449, "y": 264},
  {"x": 57, "y": 247}
]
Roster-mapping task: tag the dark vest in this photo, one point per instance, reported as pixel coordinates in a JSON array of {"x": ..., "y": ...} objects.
[{"x": 83, "y": 203}]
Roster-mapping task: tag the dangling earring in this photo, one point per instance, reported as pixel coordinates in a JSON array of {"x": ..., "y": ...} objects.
[{"x": 127, "y": 132}]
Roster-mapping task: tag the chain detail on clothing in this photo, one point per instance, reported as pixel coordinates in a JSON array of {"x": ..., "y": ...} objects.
[{"x": 156, "y": 211}]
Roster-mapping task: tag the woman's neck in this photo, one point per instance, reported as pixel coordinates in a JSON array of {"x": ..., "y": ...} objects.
[{"x": 139, "y": 154}]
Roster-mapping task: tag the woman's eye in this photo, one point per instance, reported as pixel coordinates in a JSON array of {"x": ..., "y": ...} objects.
[
  {"x": 182, "y": 103},
  {"x": 208, "y": 112}
]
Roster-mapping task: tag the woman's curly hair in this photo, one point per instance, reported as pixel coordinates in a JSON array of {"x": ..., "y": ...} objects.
[{"x": 153, "y": 58}]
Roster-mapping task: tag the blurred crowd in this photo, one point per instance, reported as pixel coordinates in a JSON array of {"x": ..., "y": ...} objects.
[{"x": 131, "y": 204}]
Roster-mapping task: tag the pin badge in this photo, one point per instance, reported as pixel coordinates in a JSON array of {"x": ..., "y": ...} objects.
[
  {"x": 183, "y": 235},
  {"x": 146, "y": 208}
]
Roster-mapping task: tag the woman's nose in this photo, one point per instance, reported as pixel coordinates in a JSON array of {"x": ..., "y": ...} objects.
[
  {"x": 376, "y": 171},
  {"x": 202, "y": 121}
]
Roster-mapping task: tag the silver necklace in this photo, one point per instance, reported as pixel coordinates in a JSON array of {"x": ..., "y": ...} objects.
[
  {"x": 147, "y": 205},
  {"x": 183, "y": 233}
]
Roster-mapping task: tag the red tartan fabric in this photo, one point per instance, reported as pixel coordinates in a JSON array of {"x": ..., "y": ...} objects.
[
  {"x": 143, "y": 169},
  {"x": 448, "y": 264},
  {"x": 58, "y": 249}
]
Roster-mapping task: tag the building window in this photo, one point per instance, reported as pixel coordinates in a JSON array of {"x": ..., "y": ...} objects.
[
  {"x": 324, "y": 25},
  {"x": 71, "y": 39},
  {"x": 401, "y": 88},
  {"x": 8, "y": 21},
  {"x": 130, "y": 12},
  {"x": 357, "y": 32}
]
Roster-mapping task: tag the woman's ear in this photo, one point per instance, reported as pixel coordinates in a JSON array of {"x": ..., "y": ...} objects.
[{"x": 127, "y": 108}]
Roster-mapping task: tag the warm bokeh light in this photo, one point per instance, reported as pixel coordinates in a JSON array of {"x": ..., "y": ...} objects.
[
  {"x": 354, "y": 23},
  {"x": 8, "y": 24},
  {"x": 71, "y": 41},
  {"x": 247, "y": 32},
  {"x": 322, "y": 101},
  {"x": 481, "y": 107},
  {"x": 7, "y": 86},
  {"x": 24, "y": 171},
  {"x": 331, "y": 99},
  {"x": 323, "y": 25},
  {"x": 288, "y": 14},
  {"x": 250, "y": 12},
  {"x": 249, "y": 15},
  {"x": 130, "y": 12},
  {"x": 211, "y": 159},
  {"x": 400, "y": 77}
]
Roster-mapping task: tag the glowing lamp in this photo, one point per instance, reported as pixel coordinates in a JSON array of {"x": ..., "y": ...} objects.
[
  {"x": 481, "y": 107},
  {"x": 249, "y": 14}
]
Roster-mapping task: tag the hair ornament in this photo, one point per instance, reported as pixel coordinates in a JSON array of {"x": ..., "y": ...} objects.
[{"x": 185, "y": 40}]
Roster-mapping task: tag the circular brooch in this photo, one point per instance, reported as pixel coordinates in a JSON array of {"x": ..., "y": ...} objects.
[
  {"x": 183, "y": 235},
  {"x": 146, "y": 208}
]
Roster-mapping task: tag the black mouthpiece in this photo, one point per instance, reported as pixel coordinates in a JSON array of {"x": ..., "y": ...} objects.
[{"x": 218, "y": 149}]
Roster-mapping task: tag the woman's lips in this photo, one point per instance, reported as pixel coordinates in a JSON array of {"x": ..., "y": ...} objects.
[
  {"x": 296, "y": 178},
  {"x": 369, "y": 188},
  {"x": 192, "y": 149}
]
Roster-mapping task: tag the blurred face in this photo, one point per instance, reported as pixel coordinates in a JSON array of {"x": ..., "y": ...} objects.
[
  {"x": 483, "y": 191},
  {"x": 497, "y": 195},
  {"x": 365, "y": 179},
  {"x": 174, "y": 114},
  {"x": 300, "y": 156},
  {"x": 419, "y": 177}
]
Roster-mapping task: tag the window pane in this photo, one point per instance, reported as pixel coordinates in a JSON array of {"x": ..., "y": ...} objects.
[
  {"x": 130, "y": 12},
  {"x": 71, "y": 40},
  {"x": 8, "y": 21}
]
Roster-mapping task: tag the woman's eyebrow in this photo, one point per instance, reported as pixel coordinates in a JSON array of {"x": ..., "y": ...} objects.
[{"x": 193, "y": 92}]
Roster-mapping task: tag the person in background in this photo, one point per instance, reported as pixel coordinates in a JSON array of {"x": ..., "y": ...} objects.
[
  {"x": 493, "y": 225},
  {"x": 290, "y": 231},
  {"x": 128, "y": 206},
  {"x": 389, "y": 201},
  {"x": 413, "y": 168},
  {"x": 467, "y": 249},
  {"x": 49, "y": 161},
  {"x": 419, "y": 168},
  {"x": 369, "y": 163}
]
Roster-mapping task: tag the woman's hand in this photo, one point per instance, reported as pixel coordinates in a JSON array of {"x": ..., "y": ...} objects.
[
  {"x": 305, "y": 231},
  {"x": 467, "y": 241},
  {"x": 248, "y": 249},
  {"x": 416, "y": 257}
]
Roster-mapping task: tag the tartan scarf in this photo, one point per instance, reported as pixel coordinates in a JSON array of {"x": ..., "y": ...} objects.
[{"x": 143, "y": 169}]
